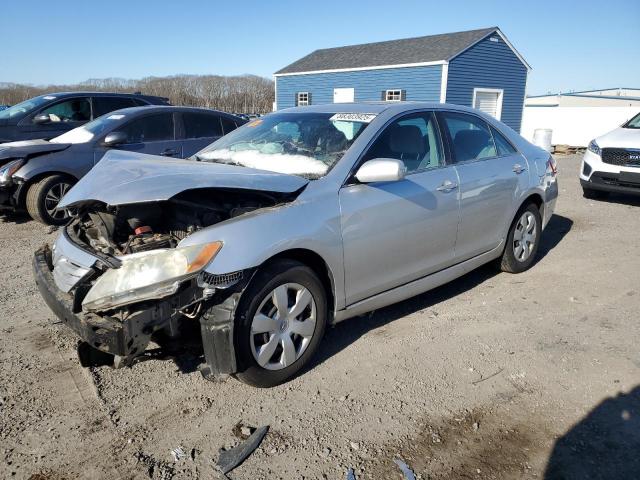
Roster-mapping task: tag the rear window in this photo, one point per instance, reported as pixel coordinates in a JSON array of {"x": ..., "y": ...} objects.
[{"x": 201, "y": 125}]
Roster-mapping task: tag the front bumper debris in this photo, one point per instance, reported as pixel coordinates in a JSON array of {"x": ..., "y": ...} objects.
[
  {"x": 126, "y": 339},
  {"x": 109, "y": 335}
]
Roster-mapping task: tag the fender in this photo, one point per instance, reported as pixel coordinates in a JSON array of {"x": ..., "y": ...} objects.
[{"x": 251, "y": 239}]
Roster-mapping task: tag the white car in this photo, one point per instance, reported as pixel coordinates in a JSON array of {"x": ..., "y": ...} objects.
[{"x": 612, "y": 162}]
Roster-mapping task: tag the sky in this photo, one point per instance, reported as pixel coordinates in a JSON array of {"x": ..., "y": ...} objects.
[{"x": 570, "y": 45}]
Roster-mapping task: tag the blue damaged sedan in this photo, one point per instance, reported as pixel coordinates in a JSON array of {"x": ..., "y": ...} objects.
[
  {"x": 291, "y": 223},
  {"x": 36, "y": 174}
]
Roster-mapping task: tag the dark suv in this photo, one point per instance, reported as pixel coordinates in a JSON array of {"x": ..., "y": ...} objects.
[{"x": 50, "y": 115}]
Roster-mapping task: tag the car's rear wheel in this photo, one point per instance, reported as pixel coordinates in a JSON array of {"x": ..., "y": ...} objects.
[
  {"x": 43, "y": 198},
  {"x": 523, "y": 240},
  {"x": 280, "y": 321},
  {"x": 592, "y": 194}
]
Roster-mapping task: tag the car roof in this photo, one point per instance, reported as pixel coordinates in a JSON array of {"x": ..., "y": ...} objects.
[
  {"x": 161, "y": 108},
  {"x": 97, "y": 94},
  {"x": 376, "y": 107}
]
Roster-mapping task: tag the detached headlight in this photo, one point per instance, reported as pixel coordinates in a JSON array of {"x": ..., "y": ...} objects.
[
  {"x": 7, "y": 171},
  {"x": 148, "y": 275},
  {"x": 594, "y": 148}
]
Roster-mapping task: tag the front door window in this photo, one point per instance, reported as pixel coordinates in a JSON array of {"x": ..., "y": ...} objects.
[{"x": 72, "y": 110}]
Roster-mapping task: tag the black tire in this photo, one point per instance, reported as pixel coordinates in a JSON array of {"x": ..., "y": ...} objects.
[
  {"x": 270, "y": 277},
  {"x": 509, "y": 262},
  {"x": 592, "y": 194},
  {"x": 37, "y": 204}
]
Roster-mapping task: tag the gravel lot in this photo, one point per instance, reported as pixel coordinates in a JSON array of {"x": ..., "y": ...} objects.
[{"x": 492, "y": 376}]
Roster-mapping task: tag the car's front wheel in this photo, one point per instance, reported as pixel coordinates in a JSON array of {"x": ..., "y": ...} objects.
[
  {"x": 280, "y": 321},
  {"x": 523, "y": 240},
  {"x": 43, "y": 198}
]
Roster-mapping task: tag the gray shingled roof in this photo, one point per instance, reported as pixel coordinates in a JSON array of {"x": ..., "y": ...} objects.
[{"x": 394, "y": 52}]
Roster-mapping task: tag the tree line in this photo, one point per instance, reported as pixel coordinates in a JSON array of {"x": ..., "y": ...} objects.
[{"x": 238, "y": 94}]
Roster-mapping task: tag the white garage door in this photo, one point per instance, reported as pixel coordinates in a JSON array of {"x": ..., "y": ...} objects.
[
  {"x": 343, "y": 95},
  {"x": 488, "y": 101}
]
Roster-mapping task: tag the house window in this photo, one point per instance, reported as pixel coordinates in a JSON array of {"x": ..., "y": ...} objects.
[
  {"x": 489, "y": 101},
  {"x": 302, "y": 99},
  {"x": 393, "y": 95}
]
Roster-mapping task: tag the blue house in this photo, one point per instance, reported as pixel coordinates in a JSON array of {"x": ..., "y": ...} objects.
[{"x": 477, "y": 68}]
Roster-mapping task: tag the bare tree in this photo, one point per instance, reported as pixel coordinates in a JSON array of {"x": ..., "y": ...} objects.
[{"x": 240, "y": 94}]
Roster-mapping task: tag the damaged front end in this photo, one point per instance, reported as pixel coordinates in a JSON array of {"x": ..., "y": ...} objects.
[{"x": 118, "y": 276}]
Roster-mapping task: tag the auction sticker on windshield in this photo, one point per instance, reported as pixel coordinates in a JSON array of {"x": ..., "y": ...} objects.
[{"x": 353, "y": 117}]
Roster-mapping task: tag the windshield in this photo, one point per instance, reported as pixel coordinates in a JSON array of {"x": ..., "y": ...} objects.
[
  {"x": 24, "y": 107},
  {"x": 633, "y": 123},
  {"x": 90, "y": 130},
  {"x": 305, "y": 144}
]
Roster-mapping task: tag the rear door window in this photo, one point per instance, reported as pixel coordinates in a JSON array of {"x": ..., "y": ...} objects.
[
  {"x": 102, "y": 105},
  {"x": 470, "y": 137},
  {"x": 151, "y": 128},
  {"x": 201, "y": 125}
]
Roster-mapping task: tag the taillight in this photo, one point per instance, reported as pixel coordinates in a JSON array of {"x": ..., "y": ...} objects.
[{"x": 552, "y": 165}]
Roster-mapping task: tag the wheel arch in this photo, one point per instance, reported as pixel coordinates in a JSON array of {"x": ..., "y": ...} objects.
[
  {"x": 28, "y": 182},
  {"x": 315, "y": 262},
  {"x": 536, "y": 199}
]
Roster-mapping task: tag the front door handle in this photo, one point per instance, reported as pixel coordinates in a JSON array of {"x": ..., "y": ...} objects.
[
  {"x": 518, "y": 169},
  {"x": 169, "y": 152},
  {"x": 447, "y": 186}
]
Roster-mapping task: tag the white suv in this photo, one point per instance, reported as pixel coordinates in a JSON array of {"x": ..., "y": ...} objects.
[{"x": 612, "y": 162}]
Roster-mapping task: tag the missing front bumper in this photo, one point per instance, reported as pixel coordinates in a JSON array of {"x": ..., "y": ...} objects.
[
  {"x": 124, "y": 339},
  {"x": 128, "y": 339}
]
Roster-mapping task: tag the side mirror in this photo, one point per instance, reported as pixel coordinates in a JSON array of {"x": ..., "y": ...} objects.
[
  {"x": 41, "y": 119},
  {"x": 381, "y": 170},
  {"x": 115, "y": 138}
]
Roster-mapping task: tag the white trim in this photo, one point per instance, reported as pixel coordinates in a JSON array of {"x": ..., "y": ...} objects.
[
  {"x": 444, "y": 80},
  {"x": 275, "y": 94},
  {"x": 306, "y": 102},
  {"x": 497, "y": 30},
  {"x": 358, "y": 69},
  {"x": 386, "y": 94},
  {"x": 500, "y": 93},
  {"x": 524, "y": 101},
  {"x": 513, "y": 49}
]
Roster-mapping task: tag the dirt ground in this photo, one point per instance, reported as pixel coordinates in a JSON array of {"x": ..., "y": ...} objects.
[{"x": 493, "y": 376}]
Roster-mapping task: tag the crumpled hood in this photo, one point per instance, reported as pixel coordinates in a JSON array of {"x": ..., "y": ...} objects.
[
  {"x": 26, "y": 148},
  {"x": 125, "y": 177},
  {"x": 620, "y": 138}
]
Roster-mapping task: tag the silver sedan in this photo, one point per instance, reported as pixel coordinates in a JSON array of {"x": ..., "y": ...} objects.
[{"x": 295, "y": 221}]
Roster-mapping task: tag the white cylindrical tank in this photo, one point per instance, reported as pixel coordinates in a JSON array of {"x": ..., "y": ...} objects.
[{"x": 542, "y": 138}]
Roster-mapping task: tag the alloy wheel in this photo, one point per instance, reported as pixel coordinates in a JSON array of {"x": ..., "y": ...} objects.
[{"x": 52, "y": 199}]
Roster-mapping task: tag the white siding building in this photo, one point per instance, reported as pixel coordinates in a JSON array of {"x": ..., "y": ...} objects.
[{"x": 575, "y": 118}]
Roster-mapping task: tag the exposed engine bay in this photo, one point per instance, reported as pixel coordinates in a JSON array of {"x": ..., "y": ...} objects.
[
  {"x": 133, "y": 228},
  {"x": 119, "y": 330}
]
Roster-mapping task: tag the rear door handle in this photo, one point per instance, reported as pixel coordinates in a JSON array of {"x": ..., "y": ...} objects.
[
  {"x": 447, "y": 186},
  {"x": 518, "y": 169},
  {"x": 169, "y": 152}
]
